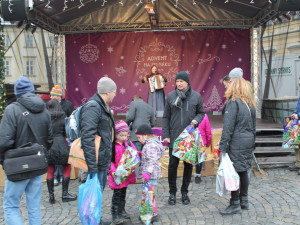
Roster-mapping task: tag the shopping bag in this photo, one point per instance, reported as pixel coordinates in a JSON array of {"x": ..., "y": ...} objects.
[
  {"x": 90, "y": 201},
  {"x": 290, "y": 138},
  {"x": 76, "y": 156},
  {"x": 127, "y": 165},
  {"x": 189, "y": 146},
  {"x": 220, "y": 181},
  {"x": 146, "y": 208},
  {"x": 232, "y": 179}
]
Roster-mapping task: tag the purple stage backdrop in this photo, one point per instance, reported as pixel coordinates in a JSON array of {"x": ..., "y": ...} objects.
[{"x": 207, "y": 56}]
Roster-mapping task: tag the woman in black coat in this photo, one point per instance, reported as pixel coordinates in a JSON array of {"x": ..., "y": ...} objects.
[
  {"x": 238, "y": 138},
  {"x": 59, "y": 152}
]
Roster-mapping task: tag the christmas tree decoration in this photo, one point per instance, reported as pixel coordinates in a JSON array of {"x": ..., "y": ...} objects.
[{"x": 2, "y": 78}]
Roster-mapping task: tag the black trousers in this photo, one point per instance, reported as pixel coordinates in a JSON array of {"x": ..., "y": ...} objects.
[
  {"x": 244, "y": 184},
  {"x": 172, "y": 174}
]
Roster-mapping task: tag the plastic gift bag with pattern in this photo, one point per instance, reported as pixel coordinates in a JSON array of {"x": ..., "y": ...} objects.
[
  {"x": 148, "y": 203},
  {"x": 127, "y": 165},
  {"x": 291, "y": 132},
  {"x": 189, "y": 146}
]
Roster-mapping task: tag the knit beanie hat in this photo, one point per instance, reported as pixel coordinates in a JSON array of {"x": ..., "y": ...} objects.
[
  {"x": 183, "y": 76},
  {"x": 236, "y": 73},
  {"x": 106, "y": 85},
  {"x": 23, "y": 86},
  {"x": 56, "y": 91},
  {"x": 121, "y": 126},
  {"x": 144, "y": 129}
]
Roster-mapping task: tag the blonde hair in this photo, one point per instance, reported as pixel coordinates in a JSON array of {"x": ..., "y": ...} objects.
[{"x": 240, "y": 88}]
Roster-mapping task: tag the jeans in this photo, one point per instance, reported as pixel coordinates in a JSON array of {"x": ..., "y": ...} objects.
[
  {"x": 102, "y": 176},
  {"x": 244, "y": 184},
  {"x": 12, "y": 196},
  {"x": 172, "y": 174},
  {"x": 138, "y": 145}
]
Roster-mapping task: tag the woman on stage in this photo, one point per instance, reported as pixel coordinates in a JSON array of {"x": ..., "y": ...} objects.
[{"x": 156, "y": 95}]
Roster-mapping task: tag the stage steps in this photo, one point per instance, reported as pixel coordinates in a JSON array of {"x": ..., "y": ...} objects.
[{"x": 268, "y": 151}]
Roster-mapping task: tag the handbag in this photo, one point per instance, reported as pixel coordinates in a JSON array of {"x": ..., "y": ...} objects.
[
  {"x": 26, "y": 161},
  {"x": 76, "y": 156}
]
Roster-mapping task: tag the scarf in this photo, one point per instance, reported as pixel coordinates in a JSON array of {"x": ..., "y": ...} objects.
[{"x": 181, "y": 97}]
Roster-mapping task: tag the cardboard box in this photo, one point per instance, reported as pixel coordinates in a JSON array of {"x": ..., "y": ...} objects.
[{"x": 209, "y": 168}]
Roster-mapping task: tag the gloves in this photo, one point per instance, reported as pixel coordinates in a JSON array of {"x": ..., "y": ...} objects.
[{"x": 146, "y": 176}]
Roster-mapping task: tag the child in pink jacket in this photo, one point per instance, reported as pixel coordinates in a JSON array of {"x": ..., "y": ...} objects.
[
  {"x": 118, "y": 199},
  {"x": 205, "y": 131}
]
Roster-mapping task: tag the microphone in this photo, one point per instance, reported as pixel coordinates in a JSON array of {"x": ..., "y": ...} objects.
[{"x": 155, "y": 72}]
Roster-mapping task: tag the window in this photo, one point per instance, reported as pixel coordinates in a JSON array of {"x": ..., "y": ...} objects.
[
  {"x": 29, "y": 68},
  {"x": 51, "y": 41},
  {"x": 6, "y": 40},
  {"x": 6, "y": 67},
  {"x": 29, "y": 41}
]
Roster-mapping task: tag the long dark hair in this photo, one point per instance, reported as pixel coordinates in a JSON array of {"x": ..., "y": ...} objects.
[{"x": 55, "y": 109}]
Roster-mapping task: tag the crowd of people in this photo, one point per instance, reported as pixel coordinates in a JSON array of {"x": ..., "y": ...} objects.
[{"x": 182, "y": 107}]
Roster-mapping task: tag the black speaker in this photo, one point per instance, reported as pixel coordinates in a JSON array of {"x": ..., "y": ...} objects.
[
  {"x": 13, "y": 11},
  {"x": 288, "y": 5}
]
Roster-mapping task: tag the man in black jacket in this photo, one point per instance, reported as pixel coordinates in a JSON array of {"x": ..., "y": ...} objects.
[
  {"x": 15, "y": 132},
  {"x": 183, "y": 107},
  {"x": 96, "y": 119}
]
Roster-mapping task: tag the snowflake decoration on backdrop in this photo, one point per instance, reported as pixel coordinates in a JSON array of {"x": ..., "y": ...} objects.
[
  {"x": 122, "y": 91},
  {"x": 240, "y": 59},
  {"x": 136, "y": 84},
  {"x": 224, "y": 46},
  {"x": 110, "y": 49},
  {"x": 89, "y": 53},
  {"x": 120, "y": 71}
]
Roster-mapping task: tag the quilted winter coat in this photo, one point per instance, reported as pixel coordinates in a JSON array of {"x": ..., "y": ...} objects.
[{"x": 238, "y": 136}]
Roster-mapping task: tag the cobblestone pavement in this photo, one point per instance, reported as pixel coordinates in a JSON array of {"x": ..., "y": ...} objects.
[{"x": 274, "y": 199}]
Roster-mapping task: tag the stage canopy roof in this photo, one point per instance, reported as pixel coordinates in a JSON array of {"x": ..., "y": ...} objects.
[{"x": 87, "y": 16}]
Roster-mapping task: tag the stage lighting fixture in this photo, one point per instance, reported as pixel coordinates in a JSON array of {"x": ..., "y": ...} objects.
[
  {"x": 150, "y": 9},
  {"x": 33, "y": 29},
  {"x": 20, "y": 24},
  {"x": 27, "y": 26},
  {"x": 288, "y": 17}
]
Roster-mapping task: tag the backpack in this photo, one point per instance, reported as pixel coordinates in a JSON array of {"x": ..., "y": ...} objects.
[{"x": 72, "y": 123}]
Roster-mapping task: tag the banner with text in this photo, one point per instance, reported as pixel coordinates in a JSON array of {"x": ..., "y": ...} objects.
[{"x": 126, "y": 57}]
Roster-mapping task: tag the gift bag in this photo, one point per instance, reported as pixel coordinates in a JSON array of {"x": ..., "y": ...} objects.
[
  {"x": 130, "y": 159},
  {"x": 189, "y": 146},
  {"x": 291, "y": 131},
  {"x": 90, "y": 201},
  {"x": 147, "y": 204},
  {"x": 232, "y": 179},
  {"x": 76, "y": 156},
  {"x": 220, "y": 182}
]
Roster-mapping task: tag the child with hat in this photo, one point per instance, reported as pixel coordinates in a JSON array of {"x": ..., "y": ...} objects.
[
  {"x": 118, "y": 199},
  {"x": 150, "y": 170}
]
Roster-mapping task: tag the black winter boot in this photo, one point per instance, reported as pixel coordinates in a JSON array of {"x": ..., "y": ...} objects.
[
  {"x": 115, "y": 207},
  {"x": 66, "y": 197},
  {"x": 122, "y": 211},
  {"x": 50, "y": 185},
  {"x": 233, "y": 208},
  {"x": 244, "y": 202}
]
